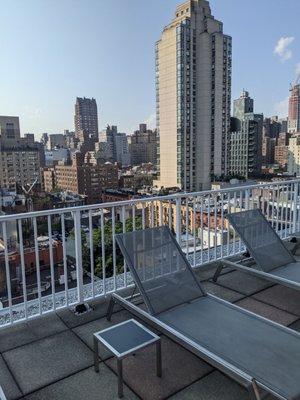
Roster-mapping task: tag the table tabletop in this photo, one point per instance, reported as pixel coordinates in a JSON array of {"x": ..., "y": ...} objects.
[{"x": 127, "y": 337}]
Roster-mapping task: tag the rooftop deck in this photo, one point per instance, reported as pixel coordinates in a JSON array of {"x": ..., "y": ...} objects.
[
  {"x": 51, "y": 357},
  {"x": 46, "y": 350}
]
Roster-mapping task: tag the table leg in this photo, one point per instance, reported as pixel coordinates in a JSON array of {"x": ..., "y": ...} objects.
[
  {"x": 120, "y": 378},
  {"x": 96, "y": 355},
  {"x": 158, "y": 359}
]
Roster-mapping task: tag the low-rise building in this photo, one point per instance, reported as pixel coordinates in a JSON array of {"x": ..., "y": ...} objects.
[
  {"x": 113, "y": 195},
  {"x": 137, "y": 181},
  {"x": 14, "y": 258}
]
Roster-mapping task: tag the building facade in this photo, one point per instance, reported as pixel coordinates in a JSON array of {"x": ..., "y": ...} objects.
[
  {"x": 272, "y": 127},
  {"x": 293, "y": 166},
  {"x": 143, "y": 146},
  {"x": 56, "y": 140},
  {"x": 245, "y": 155},
  {"x": 9, "y": 128},
  {"x": 85, "y": 179},
  {"x": 113, "y": 146},
  {"x": 294, "y": 109},
  {"x": 55, "y": 156},
  {"x": 268, "y": 150},
  {"x": 86, "y": 119},
  {"x": 241, "y": 106},
  {"x": 282, "y": 150},
  {"x": 21, "y": 159},
  {"x": 193, "y": 95}
]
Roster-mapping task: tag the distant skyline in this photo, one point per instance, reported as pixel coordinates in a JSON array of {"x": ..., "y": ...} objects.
[{"x": 55, "y": 50}]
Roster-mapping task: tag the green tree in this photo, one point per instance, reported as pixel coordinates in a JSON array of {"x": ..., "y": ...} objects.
[{"x": 109, "y": 248}]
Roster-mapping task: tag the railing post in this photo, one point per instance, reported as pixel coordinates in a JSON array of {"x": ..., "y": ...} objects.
[
  {"x": 78, "y": 255},
  {"x": 178, "y": 220},
  {"x": 247, "y": 199},
  {"x": 295, "y": 207}
]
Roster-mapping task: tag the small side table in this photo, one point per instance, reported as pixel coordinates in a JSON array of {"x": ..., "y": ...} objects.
[{"x": 123, "y": 340}]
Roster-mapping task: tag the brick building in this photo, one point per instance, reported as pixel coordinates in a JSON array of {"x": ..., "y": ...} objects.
[{"x": 86, "y": 179}]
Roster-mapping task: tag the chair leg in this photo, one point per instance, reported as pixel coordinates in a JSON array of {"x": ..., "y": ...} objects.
[
  {"x": 217, "y": 273},
  {"x": 254, "y": 391},
  {"x": 110, "y": 309}
]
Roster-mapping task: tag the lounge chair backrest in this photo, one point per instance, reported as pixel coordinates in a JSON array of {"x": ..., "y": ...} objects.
[
  {"x": 263, "y": 243},
  {"x": 160, "y": 269}
]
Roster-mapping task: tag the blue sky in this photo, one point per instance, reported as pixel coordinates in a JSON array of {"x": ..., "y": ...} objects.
[{"x": 54, "y": 50}]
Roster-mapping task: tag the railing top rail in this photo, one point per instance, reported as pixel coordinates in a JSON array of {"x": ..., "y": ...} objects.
[{"x": 131, "y": 202}]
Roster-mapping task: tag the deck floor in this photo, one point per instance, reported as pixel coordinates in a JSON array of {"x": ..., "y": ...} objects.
[{"x": 52, "y": 357}]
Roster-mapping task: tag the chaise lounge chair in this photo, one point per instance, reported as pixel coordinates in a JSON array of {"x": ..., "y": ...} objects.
[
  {"x": 274, "y": 262},
  {"x": 261, "y": 355}
]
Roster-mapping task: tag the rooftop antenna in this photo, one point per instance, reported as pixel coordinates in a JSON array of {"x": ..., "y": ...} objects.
[{"x": 27, "y": 193}]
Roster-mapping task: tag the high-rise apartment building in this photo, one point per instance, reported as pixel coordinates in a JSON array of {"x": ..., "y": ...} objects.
[
  {"x": 293, "y": 166},
  {"x": 284, "y": 125},
  {"x": 272, "y": 127},
  {"x": 282, "y": 150},
  {"x": 107, "y": 137},
  {"x": 193, "y": 94},
  {"x": 243, "y": 105},
  {"x": 115, "y": 145},
  {"x": 294, "y": 109},
  {"x": 9, "y": 128},
  {"x": 86, "y": 119},
  {"x": 21, "y": 159},
  {"x": 268, "y": 150},
  {"x": 245, "y": 154},
  {"x": 143, "y": 146}
]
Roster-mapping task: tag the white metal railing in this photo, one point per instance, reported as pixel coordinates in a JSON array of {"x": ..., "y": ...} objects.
[
  {"x": 61, "y": 257},
  {"x": 2, "y": 395}
]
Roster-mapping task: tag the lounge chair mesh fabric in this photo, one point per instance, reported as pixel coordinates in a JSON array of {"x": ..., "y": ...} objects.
[
  {"x": 261, "y": 240},
  {"x": 263, "y": 350},
  {"x": 154, "y": 259}
]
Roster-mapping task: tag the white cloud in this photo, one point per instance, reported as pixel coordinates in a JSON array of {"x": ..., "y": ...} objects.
[
  {"x": 32, "y": 112},
  {"x": 281, "y": 108},
  {"x": 282, "y": 48},
  {"x": 151, "y": 121}
]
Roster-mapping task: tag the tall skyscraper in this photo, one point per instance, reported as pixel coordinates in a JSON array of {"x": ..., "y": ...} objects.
[
  {"x": 193, "y": 94},
  {"x": 245, "y": 154},
  {"x": 86, "y": 119},
  {"x": 115, "y": 145},
  {"x": 243, "y": 105},
  {"x": 294, "y": 110}
]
